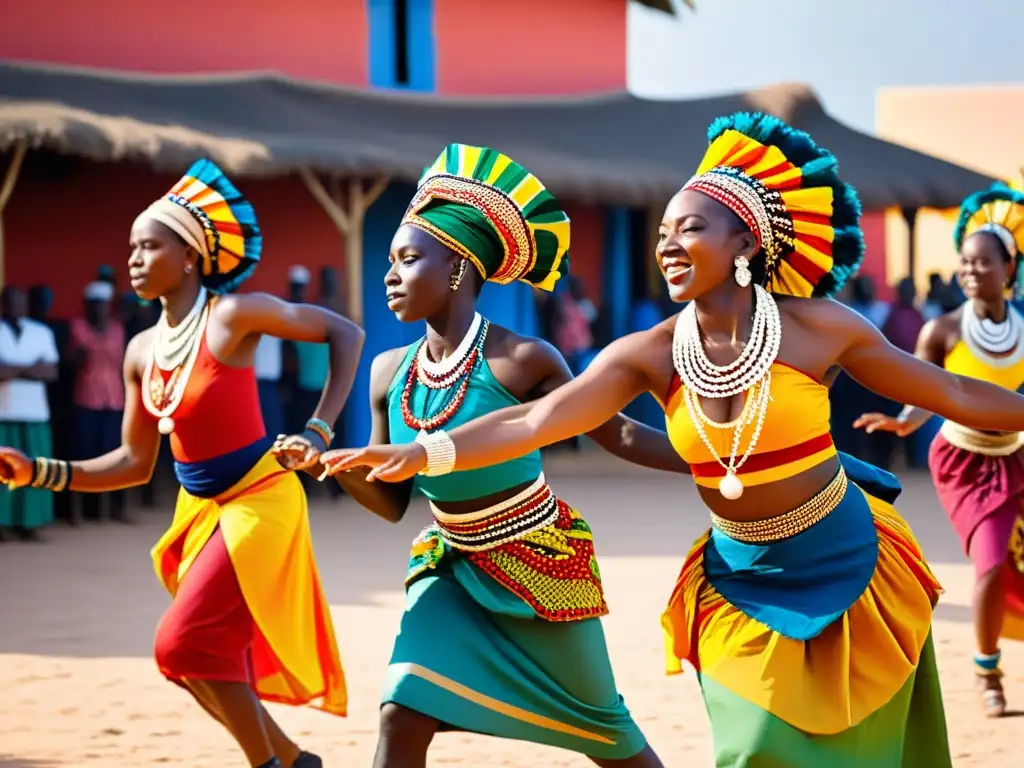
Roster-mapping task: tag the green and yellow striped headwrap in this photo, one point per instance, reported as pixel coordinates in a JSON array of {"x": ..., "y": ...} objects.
[{"x": 494, "y": 213}]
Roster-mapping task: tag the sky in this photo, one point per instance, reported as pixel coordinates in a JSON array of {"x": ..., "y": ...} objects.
[{"x": 845, "y": 51}]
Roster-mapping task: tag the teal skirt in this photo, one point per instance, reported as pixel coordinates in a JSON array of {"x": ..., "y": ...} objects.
[
  {"x": 473, "y": 655},
  {"x": 26, "y": 508}
]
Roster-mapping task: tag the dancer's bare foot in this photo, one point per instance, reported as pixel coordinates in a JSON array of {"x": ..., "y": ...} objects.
[{"x": 993, "y": 699}]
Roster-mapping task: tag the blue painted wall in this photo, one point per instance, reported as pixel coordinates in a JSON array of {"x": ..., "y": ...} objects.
[
  {"x": 422, "y": 61},
  {"x": 511, "y": 306}
]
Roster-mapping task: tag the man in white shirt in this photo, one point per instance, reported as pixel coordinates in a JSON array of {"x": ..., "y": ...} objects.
[{"x": 28, "y": 359}]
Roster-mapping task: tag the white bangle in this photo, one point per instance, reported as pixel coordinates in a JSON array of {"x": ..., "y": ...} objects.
[{"x": 440, "y": 453}]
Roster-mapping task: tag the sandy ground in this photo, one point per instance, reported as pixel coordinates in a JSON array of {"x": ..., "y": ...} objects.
[{"x": 77, "y": 614}]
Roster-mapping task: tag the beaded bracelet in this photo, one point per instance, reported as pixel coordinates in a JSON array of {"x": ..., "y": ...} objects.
[
  {"x": 440, "y": 453},
  {"x": 50, "y": 474},
  {"x": 323, "y": 429}
]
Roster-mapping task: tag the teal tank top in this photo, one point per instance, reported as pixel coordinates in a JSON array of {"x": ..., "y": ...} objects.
[{"x": 484, "y": 395}]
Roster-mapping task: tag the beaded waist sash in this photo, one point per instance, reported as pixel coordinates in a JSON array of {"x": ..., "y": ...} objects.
[
  {"x": 529, "y": 510},
  {"x": 788, "y": 524},
  {"x": 985, "y": 443},
  {"x": 533, "y": 544}
]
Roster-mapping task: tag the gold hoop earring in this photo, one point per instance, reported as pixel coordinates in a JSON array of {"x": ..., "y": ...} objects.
[
  {"x": 742, "y": 274},
  {"x": 457, "y": 275}
]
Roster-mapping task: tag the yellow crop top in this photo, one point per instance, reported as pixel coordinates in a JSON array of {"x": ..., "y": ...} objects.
[
  {"x": 962, "y": 361},
  {"x": 795, "y": 436}
]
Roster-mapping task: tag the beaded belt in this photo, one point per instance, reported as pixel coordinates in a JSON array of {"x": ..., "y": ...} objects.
[
  {"x": 789, "y": 523},
  {"x": 984, "y": 443},
  {"x": 529, "y": 510}
]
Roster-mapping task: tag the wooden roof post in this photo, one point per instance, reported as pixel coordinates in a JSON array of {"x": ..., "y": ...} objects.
[
  {"x": 348, "y": 214},
  {"x": 910, "y": 217},
  {"x": 6, "y": 190}
]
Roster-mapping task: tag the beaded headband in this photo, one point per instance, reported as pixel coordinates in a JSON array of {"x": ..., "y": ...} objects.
[{"x": 760, "y": 208}]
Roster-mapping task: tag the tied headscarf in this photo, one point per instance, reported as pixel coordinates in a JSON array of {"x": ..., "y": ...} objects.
[
  {"x": 209, "y": 213},
  {"x": 495, "y": 214},
  {"x": 787, "y": 191}
]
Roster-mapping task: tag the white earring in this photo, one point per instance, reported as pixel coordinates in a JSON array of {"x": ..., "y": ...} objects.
[
  {"x": 743, "y": 276},
  {"x": 456, "y": 278},
  {"x": 188, "y": 268}
]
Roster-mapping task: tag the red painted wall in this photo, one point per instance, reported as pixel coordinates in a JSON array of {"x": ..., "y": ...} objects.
[
  {"x": 873, "y": 225},
  {"x": 91, "y": 210},
  {"x": 587, "y": 247},
  {"x": 313, "y": 39},
  {"x": 538, "y": 46}
]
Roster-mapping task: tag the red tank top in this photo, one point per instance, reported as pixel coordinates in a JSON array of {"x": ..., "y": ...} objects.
[{"x": 219, "y": 412}]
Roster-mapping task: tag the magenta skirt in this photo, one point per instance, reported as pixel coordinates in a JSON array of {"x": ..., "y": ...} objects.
[{"x": 982, "y": 496}]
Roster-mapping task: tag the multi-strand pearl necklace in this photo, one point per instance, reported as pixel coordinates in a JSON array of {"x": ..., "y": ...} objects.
[
  {"x": 998, "y": 344},
  {"x": 750, "y": 372},
  {"x": 444, "y": 374},
  {"x": 174, "y": 349}
]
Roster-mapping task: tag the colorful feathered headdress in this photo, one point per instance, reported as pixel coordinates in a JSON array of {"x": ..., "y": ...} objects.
[
  {"x": 495, "y": 214},
  {"x": 209, "y": 213},
  {"x": 998, "y": 210},
  {"x": 787, "y": 191}
]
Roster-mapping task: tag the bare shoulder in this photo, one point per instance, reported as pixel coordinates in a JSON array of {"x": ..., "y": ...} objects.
[
  {"x": 235, "y": 305},
  {"x": 383, "y": 370},
  {"x": 138, "y": 351},
  {"x": 520, "y": 349}
]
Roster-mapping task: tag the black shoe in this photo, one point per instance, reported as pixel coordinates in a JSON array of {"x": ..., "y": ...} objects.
[{"x": 308, "y": 760}]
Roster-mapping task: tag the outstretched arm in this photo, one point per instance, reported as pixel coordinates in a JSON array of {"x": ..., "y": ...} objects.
[
  {"x": 621, "y": 436},
  {"x": 930, "y": 348},
  {"x": 617, "y": 375},
  {"x": 870, "y": 359},
  {"x": 389, "y": 501},
  {"x": 129, "y": 464}
]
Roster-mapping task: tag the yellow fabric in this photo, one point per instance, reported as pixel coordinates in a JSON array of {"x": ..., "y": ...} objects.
[
  {"x": 963, "y": 362},
  {"x": 773, "y": 474},
  {"x": 789, "y": 678},
  {"x": 798, "y": 411},
  {"x": 265, "y": 526}
]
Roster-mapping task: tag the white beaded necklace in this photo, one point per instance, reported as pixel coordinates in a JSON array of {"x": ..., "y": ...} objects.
[
  {"x": 443, "y": 373},
  {"x": 997, "y": 344},
  {"x": 751, "y": 371},
  {"x": 172, "y": 399},
  {"x": 172, "y": 345}
]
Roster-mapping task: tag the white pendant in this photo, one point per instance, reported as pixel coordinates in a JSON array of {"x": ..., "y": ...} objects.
[
  {"x": 730, "y": 486},
  {"x": 166, "y": 426}
]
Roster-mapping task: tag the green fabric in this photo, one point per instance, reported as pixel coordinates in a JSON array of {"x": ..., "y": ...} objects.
[
  {"x": 471, "y": 228},
  {"x": 26, "y": 507},
  {"x": 463, "y": 626},
  {"x": 314, "y": 360},
  {"x": 908, "y": 732}
]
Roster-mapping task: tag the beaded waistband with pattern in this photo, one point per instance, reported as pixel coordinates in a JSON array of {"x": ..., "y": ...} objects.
[
  {"x": 544, "y": 557},
  {"x": 789, "y": 523}
]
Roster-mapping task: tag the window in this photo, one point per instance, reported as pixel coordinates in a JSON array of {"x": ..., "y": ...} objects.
[{"x": 401, "y": 44}]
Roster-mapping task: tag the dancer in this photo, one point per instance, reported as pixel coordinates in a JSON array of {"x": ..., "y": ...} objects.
[
  {"x": 501, "y": 633},
  {"x": 249, "y": 619},
  {"x": 806, "y": 609},
  {"x": 979, "y": 476}
]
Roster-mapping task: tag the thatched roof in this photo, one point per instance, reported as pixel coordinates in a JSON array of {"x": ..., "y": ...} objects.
[{"x": 614, "y": 148}]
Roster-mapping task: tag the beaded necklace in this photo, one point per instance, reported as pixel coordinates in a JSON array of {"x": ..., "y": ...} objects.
[
  {"x": 750, "y": 372},
  {"x": 998, "y": 344},
  {"x": 162, "y": 400},
  {"x": 443, "y": 375}
]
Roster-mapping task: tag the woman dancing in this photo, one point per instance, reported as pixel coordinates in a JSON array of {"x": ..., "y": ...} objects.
[
  {"x": 249, "y": 619},
  {"x": 979, "y": 476},
  {"x": 806, "y": 556},
  {"x": 501, "y": 633}
]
